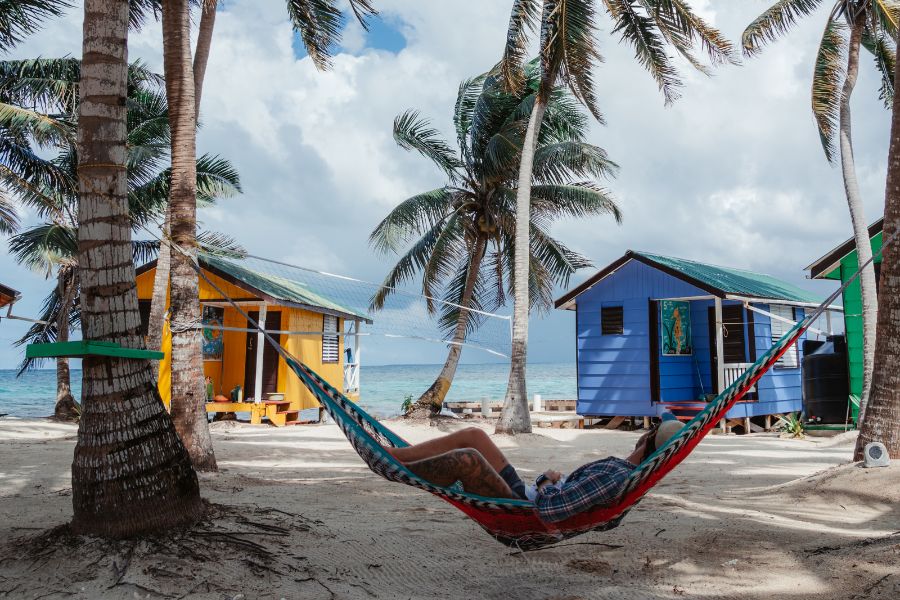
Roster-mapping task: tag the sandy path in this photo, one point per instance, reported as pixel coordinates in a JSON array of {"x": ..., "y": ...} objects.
[{"x": 741, "y": 518}]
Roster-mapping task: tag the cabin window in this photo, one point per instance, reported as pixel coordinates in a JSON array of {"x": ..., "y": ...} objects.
[
  {"x": 330, "y": 351},
  {"x": 611, "y": 320},
  {"x": 791, "y": 358}
]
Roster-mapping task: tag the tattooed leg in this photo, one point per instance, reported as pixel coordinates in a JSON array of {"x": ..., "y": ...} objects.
[
  {"x": 466, "y": 465},
  {"x": 471, "y": 437}
]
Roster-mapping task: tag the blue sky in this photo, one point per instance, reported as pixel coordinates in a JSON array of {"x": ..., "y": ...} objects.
[{"x": 732, "y": 173}]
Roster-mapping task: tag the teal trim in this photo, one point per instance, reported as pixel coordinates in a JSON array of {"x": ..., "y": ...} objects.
[{"x": 84, "y": 348}]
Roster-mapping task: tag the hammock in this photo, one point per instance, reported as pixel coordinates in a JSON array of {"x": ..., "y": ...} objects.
[{"x": 515, "y": 522}]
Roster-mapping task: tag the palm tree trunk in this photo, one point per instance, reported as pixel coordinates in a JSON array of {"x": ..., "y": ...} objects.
[
  {"x": 857, "y": 217},
  {"x": 515, "y": 417},
  {"x": 163, "y": 261},
  {"x": 433, "y": 399},
  {"x": 201, "y": 56},
  {"x": 882, "y": 419},
  {"x": 160, "y": 290},
  {"x": 188, "y": 390},
  {"x": 130, "y": 473},
  {"x": 66, "y": 408}
]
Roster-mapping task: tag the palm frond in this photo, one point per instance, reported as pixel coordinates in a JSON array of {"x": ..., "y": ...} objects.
[
  {"x": 577, "y": 200},
  {"x": 319, "y": 23},
  {"x": 143, "y": 251},
  {"x": 777, "y": 20},
  {"x": 220, "y": 244},
  {"x": 20, "y": 18},
  {"x": 414, "y": 133},
  {"x": 469, "y": 92},
  {"x": 827, "y": 85},
  {"x": 649, "y": 48},
  {"x": 217, "y": 178},
  {"x": 43, "y": 129},
  {"x": 48, "y": 85},
  {"x": 887, "y": 12},
  {"x": 9, "y": 219},
  {"x": 561, "y": 162},
  {"x": 884, "y": 51},
  {"x": 522, "y": 20},
  {"x": 577, "y": 53},
  {"x": 683, "y": 28},
  {"x": 43, "y": 247},
  {"x": 414, "y": 216}
]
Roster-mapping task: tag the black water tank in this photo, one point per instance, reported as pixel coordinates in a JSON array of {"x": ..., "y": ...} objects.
[{"x": 826, "y": 382}]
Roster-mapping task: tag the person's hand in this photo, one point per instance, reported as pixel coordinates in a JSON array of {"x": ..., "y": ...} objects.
[{"x": 553, "y": 476}]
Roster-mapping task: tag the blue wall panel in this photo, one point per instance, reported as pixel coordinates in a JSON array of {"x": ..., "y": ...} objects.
[{"x": 614, "y": 370}]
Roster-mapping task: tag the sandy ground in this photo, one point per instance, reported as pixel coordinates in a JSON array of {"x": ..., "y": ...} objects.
[{"x": 744, "y": 517}]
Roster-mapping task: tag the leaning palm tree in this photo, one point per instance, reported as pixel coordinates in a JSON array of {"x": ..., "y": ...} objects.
[
  {"x": 882, "y": 422},
  {"x": 319, "y": 23},
  {"x": 126, "y": 479},
  {"x": 850, "y": 24},
  {"x": 568, "y": 53},
  {"x": 52, "y": 84},
  {"x": 461, "y": 237}
]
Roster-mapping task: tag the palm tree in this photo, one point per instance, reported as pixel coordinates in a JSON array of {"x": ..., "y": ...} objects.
[
  {"x": 19, "y": 18},
  {"x": 319, "y": 23},
  {"x": 461, "y": 237},
  {"x": 130, "y": 474},
  {"x": 52, "y": 84},
  {"x": 850, "y": 24},
  {"x": 568, "y": 54},
  {"x": 882, "y": 422}
]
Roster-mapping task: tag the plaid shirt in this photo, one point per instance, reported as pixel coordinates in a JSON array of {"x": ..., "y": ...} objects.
[{"x": 594, "y": 484}]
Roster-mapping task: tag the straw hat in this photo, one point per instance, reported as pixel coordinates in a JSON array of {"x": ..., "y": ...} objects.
[{"x": 667, "y": 429}]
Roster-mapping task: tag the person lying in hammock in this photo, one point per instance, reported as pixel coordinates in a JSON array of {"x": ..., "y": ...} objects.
[{"x": 470, "y": 457}]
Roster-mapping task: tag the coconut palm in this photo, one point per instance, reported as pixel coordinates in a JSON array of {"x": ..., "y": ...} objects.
[
  {"x": 568, "y": 53},
  {"x": 319, "y": 23},
  {"x": 850, "y": 24},
  {"x": 882, "y": 422},
  {"x": 461, "y": 237},
  {"x": 52, "y": 85},
  {"x": 126, "y": 479}
]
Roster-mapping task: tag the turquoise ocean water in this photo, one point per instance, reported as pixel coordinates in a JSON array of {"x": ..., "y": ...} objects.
[{"x": 383, "y": 387}]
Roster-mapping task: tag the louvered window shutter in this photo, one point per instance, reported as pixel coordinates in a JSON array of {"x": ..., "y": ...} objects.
[
  {"x": 330, "y": 351},
  {"x": 790, "y": 359}
]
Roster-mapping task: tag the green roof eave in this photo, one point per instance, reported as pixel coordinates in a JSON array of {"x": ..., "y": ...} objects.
[{"x": 279, "y": 289}]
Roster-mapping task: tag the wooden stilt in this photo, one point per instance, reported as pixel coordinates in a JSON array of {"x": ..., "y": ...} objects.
[
  {"x": 646, "y": 422},
  {"x": 746, "y": 424},
  {"x": 768, "y": 422},
  {"x": 723, "y": 425}
]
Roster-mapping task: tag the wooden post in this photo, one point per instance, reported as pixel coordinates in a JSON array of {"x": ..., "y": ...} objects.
[
  {"x": 485, "y": 407},
  {"x": 746, "y": 424},
  {"x": 538, "y": 406},
  {"x": 646, "y": 422},
  {"x": 720, "y": 356},
  {"x": 260, "y": 346},
  {"x": 828, "y": 322},
  {"x": 768, "y": 422},
  {"x": 358, "y": 369}
]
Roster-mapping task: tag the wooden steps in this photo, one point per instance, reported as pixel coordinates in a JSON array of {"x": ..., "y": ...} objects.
[{"x": 279, "y": 413}]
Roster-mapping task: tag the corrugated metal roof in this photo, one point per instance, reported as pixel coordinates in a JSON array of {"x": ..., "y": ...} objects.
[
  {"x": 737, "y": 282},
  {"x": 719, "y": 281},
  {"x": 299, "y": 287}
]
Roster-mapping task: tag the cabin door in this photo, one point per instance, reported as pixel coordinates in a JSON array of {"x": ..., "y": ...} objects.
[
  {"x": 734, "y": 338},
  {"x": 270, "y": 358}
]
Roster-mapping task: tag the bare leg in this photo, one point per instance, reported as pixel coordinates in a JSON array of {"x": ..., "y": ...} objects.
[
  {"x": 471, "y": 437},
  {"x": 467, "y": 466}
]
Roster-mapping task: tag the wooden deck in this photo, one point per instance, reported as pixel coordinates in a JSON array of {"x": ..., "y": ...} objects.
[{"x": 277, "y": 412}]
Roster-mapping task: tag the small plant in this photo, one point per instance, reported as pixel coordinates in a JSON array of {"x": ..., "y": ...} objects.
[
  {"x": 407, "y": 405},
  {"x": 790, "y": 426}
]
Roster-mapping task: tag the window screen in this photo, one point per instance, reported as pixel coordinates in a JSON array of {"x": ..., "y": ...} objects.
[
  {"x": 330, "y": 351},
  {"x": 611, "y": 320},
  {"x": 791, "y": 358}
]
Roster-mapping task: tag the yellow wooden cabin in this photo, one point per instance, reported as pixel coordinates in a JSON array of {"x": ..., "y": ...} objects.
[{"x": 309, "y": 325}]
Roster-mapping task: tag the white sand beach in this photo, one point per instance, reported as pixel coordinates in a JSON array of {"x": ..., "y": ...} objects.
[{"x": 744, "y": 517}]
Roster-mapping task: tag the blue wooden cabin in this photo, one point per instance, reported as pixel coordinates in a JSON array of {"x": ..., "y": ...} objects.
[{"x": 646, "y": 336}]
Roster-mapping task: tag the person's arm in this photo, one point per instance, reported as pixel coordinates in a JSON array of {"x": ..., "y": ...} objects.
[
  {"x": 467, "y": 466},
  {"x": 558, "y": 503}
]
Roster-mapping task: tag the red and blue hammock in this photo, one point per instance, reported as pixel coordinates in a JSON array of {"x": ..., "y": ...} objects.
[{"x": 515, "y": 522}]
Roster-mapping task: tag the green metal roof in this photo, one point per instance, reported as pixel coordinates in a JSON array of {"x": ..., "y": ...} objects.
[
  {"x": 718, "y": 281},
  {"x": 737, "y": 282},
  {"x": 293, "y": 286}
]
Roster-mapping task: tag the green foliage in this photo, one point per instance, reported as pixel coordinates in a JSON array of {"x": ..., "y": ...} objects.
[
  {"x": 320, "y": 22},
  {"x": 435, "y": 233},
  {"x": 408, "y": 404},
  {"x": 19, "y": 18},
  {"x": 878, "y": 21},
  {"x": 790, "y": 426}
]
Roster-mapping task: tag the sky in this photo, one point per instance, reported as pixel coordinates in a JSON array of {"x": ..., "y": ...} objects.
[{"x": 733, "y": 173}]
